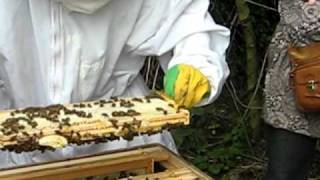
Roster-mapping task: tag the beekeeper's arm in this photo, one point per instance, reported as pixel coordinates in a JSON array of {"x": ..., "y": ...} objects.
[
  {"x": 198, "y": 68},
  {"x": 199, "y": 46}
]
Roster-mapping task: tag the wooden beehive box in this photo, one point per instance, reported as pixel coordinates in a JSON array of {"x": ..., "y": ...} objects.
[{"x": 147, "y": 162}]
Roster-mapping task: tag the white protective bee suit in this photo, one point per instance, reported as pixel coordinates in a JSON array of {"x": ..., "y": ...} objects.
[{"x": 64, "y": 51}]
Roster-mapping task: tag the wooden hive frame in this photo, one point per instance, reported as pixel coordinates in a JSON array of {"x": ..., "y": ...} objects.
[
  {"x": 56, "y": 126},
  {"x": 143, "y": 158}
]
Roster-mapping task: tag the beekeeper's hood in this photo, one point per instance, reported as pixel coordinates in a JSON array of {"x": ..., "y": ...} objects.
[{"x": 84, "y": 6}]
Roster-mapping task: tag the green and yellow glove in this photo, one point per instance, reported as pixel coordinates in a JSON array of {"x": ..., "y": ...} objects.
[{"x": 186, "y": 85}]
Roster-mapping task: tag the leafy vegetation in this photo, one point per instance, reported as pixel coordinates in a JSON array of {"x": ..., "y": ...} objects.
[
  {"x": 226, "y": 139},
  {"x": 222, "y": 136}
]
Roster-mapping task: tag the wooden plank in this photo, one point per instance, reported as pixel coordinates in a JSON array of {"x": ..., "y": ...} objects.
[
  {"x": 180, "y": 162},
  {"x": 65, "y": 173},
  {"x": 154, "y": 152},
  {"x": 102, "y": 164},
  {"x": 168, "y": 165},
  {"x": 53, "y": 169},
  {"x": 176, "y": 174}
]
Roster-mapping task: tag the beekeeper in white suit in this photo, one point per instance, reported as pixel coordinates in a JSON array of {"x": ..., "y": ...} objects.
[{"x": 63, "y": 51}]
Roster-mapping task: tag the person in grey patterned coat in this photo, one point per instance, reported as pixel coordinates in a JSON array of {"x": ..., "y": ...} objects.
[{"x": 292, "y": 135}]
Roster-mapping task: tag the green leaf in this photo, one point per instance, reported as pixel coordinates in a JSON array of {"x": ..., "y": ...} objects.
[
  {"x": 201, "y": 162},
  {"x": 199, "y": 111},
  {"x": 215, "y": 168},
  {"x": 180, "y": 135},
  {"x": 217, "y": 152},
  {"x": 202, "y": 166},
  {"x": 214, "y": 126},
  {"x": 243, "y": 9}
]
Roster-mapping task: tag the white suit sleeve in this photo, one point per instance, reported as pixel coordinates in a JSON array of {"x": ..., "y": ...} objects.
[
  {"x": 206, "y": 52},
  {"x": 186, "y": 27}
]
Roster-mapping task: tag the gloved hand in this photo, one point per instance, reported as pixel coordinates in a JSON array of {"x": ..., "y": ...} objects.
[{"x": 186, "y": 85}]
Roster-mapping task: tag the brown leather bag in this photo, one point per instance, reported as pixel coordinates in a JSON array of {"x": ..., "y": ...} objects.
[{"x": 305, "y": 76}]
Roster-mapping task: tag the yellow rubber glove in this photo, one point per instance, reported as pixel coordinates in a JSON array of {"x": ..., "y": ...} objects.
[{"x": 186, "y": 85}]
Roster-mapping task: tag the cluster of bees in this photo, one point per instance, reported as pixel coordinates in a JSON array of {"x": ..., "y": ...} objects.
[{"x": 12, "y": 127}]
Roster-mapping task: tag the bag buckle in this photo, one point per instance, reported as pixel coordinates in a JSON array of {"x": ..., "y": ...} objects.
[{"x": 311, "y": 85}]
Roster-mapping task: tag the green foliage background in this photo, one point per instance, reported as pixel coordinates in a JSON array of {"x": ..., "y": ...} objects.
[{"x": 220, "y": 138}]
